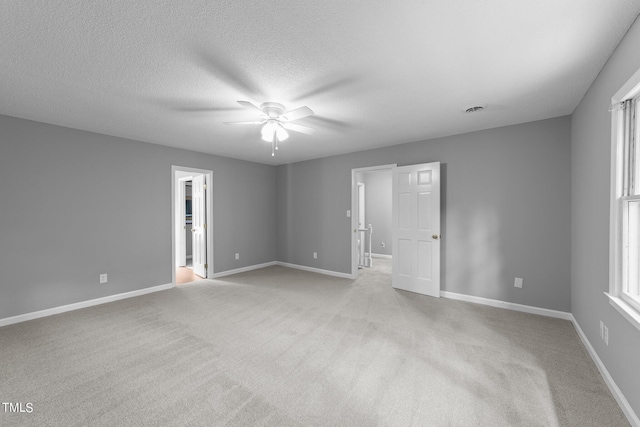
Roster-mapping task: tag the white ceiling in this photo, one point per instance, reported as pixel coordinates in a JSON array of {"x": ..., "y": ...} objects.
[{"x": 376, "y": 72}]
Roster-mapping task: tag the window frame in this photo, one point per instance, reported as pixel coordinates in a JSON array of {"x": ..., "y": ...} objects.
[
  {"x": 621, "y": 183},
  {"x": 629, "y": 298}
]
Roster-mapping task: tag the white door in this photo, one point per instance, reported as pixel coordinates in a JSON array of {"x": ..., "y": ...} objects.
[
  {"x": 416, "y": 228},
  {"x": 198, "y": 226}
]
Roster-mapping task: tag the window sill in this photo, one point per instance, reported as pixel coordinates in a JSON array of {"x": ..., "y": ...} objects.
[{"x": 625, "y": 309}]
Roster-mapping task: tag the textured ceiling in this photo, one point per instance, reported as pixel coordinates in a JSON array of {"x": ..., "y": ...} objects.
[{"x": 376, "y": 72}]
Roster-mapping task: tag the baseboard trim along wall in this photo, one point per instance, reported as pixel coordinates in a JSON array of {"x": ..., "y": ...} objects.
[
  {"x": 380, "y": 256},
  {"x": 241, "y": 270},
  {"x": 83, "y": 304},
  {"x": 508, "y": 305},
  {"x": 315, "y": 270},
  {"x": 613, "y": 387},
  {"x": 617, "y": 393}
]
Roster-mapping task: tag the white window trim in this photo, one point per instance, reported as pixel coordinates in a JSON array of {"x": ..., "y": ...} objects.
[{"x": 630, "y": 89}]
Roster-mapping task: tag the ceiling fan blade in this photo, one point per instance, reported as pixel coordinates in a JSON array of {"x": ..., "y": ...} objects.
[
  {"x": 250, "y": 106},
  {"x": 258, "y": 122},
  {"x": 298, "y": 128},
  {"x": 298, "y": 113}
]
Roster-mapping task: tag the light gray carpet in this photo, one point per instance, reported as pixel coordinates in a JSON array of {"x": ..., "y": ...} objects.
[{"x": 281, "y": 347}]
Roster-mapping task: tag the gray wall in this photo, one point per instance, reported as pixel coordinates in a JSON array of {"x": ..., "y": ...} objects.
[
  {"x": 505, "y": 212},
  {"x": 75, "y": 204},
  {"x": 590, "y": 151},
  {"x": 377, "y": 198},
  {"x": 505, "y": 205}
]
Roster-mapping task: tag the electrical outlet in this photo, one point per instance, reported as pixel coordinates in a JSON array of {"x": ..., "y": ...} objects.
[
  {"x": 518, "y": 282},
  {"x": 601, "y": 330},
  {"x": 606, "y": 335},
  {"x": 348, "y": 213},
  {"x": 103, "y": 278},
  {"x": 383, "y": 244},
  {"x": 315, "y": 255},
  {"x": 237, "y": 256}
]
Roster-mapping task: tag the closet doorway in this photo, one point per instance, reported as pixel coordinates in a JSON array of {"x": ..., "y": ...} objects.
[{"x": 191, "y": 215}]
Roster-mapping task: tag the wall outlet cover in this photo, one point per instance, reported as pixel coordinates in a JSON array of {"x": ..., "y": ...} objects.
[
  {"x": 518, "y": 282},
  {"x": 237, "y": 256},
  {"x": 103, "y": 278}
]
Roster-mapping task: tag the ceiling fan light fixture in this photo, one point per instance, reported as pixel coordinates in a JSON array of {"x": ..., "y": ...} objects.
[
  {"x": 269, "y": 131},
  {"x": 267, "y": 136},
  {"x": 275, "y": 122},
  {"x": 281, "y": 133}
]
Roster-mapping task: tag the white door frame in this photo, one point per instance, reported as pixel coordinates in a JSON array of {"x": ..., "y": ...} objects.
[
  {"x": 354, "y": 209},
  {"x": 181, "y": 230},
  {"x": 361, "y": 224},
  {"x": 178, "y": 172}
]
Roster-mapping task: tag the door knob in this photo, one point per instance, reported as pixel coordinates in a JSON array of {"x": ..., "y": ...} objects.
[
  {"x": 435, "y": 237},
  {"x": 193, "y": 229}
]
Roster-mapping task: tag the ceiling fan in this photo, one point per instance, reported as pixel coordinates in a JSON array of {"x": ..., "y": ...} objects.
[{"x": 276, "y": 121}]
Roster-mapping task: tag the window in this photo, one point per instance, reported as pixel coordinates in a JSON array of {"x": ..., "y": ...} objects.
[
  {"x": 624, "y": 288},
  {"x": 630, "y": 208}
]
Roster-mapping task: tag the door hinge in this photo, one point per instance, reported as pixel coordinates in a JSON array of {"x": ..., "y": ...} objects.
[
  {"x": 204, "y": 186},
  {"x": 205, "y": 225},
  {"x": 206, "y": 266}
]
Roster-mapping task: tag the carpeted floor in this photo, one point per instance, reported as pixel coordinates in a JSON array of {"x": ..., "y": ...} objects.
[{"x": 281, "y": 347}]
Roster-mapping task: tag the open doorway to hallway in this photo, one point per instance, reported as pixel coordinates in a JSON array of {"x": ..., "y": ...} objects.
[
  {"x": 372, "y": 216},
  {"x": 409, "y": 198},
  {"x": 192, "y": 254}
]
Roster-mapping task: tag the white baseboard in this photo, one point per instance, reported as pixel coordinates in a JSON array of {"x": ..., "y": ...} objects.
[
  {"x": 381, "y": 256},
  {"x": 617, "y": 393},
  {"x": 82, "y": 304},
  {"x": 283, "y": 264},
  {"x": 613, "y": 387},
  {"x": 241, "y": 270},
  {"x": 508, "y": 305},
  {"x": 315, "y": 270}
]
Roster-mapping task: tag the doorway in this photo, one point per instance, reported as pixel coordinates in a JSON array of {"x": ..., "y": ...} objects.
[
  {"x": 411, "y": 197},
  {"x": 364, "y": 229},
  {"x": 191, "y": 214},
  {"x": 371, "y": 219}
]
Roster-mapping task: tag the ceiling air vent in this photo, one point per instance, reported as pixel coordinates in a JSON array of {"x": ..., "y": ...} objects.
[{"x": 474, "y": 109}]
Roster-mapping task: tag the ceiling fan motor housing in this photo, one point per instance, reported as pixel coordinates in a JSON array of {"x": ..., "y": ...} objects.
[{"x": 272, "y": 109}]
